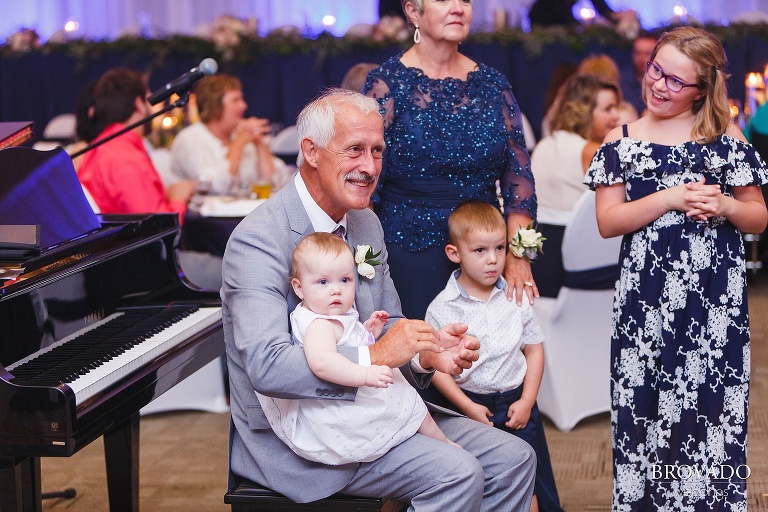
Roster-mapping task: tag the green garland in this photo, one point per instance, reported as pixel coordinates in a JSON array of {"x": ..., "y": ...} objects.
[{"x": 251, "y": 48}]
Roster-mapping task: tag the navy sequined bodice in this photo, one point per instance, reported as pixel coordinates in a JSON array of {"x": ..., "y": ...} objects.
[{"x": 448, "y": 141}]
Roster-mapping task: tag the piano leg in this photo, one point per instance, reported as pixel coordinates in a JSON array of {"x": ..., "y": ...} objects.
[
  {"x": 121, "y": 453},
  {"x": 20, "y": 485}
]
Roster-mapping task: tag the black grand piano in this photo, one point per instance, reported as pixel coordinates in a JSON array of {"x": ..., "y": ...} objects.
[{"x": 94, "y": 327}]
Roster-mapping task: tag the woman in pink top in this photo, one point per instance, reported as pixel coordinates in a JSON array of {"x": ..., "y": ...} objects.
[{"x": 119, "y": 174}]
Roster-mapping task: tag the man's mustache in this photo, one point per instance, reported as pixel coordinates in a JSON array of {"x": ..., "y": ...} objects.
[{"x": 359, "y": 176}]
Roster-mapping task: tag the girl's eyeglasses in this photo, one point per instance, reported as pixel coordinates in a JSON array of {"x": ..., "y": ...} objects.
[{"x": 673, "y": 83}]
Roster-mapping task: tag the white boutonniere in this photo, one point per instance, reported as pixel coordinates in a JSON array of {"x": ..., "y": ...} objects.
[
  {"x": 366, "y": 260},
  {"x": 526, "y": 243}
]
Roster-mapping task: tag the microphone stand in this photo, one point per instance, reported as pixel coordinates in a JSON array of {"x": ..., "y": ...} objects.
[{"x": 183, "y": 100}]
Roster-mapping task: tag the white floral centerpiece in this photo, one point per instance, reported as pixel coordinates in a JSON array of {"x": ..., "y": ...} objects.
[
  {"x": 23, "y": 40},
  {"x": 226, "y": 32}
]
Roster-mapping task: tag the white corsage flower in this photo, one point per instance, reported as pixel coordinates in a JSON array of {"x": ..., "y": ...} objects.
[
  {"x": 366, "y": 260},
  {"x": 526, "y": 243}
]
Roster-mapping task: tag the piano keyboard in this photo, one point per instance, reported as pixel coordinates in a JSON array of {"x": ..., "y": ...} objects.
[{"x": 91, "y": 360}]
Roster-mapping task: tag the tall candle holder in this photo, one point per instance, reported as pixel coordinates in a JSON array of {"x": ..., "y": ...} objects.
[
  {"x": 755, "y": 93},
  {"x": 737, "y": 113},
  {"x": 500, "y": 19}
]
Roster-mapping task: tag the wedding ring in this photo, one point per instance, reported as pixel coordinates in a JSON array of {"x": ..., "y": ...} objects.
[{"x": 528, "y": 283}]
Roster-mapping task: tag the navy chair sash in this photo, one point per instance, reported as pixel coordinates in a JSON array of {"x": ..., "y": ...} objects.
[{"x": 600, "y": 278}]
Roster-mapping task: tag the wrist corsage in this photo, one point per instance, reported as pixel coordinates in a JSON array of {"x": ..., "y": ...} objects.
[
  {"x": 526, "y": 243},
  {"x": 366, "y": 260}
]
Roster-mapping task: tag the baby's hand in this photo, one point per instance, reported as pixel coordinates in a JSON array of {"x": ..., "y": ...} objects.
[
  {"x": 377, "y": 376},
  {"x": 376, "y": 322},
  {"x": 478, "y": 412}
]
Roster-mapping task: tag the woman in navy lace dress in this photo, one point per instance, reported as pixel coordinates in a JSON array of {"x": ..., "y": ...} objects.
[
  {"x": 453, "y": 129},
  {"x": 680, "y": 184}
]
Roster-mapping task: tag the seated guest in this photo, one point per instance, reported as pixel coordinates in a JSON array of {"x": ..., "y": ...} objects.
[
  {"x": 342, "y": 142},
  {"x": 601, "y": 66},
  {"x": 85, "y": 126},
  {"x": 632, "y": 83},
  {"x": 119, "y": 174},
  {"x": 547, "y": 13},
  {"x": 587, "y": 112},
  {"x": 354, "y": 78},
  {"x": 225, "y": 150}
]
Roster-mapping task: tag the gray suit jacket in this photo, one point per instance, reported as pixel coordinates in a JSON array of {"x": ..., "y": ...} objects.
[{"x": 257, "y": 299}]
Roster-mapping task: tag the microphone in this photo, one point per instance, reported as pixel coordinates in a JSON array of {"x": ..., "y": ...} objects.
[{"x": 184, "y": 82}]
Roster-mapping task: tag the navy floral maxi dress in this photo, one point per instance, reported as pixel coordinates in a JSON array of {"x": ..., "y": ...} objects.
[{"x": 680, "y": 340}]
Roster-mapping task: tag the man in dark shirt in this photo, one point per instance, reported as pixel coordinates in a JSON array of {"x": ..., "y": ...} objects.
[
  {"x": 390, "y": 8},
  {"x": 559, "y": 12}
]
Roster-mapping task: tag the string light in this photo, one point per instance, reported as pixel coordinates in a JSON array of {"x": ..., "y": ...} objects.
[
  {"x": 586, "y": 13},
  {"x": 329, "y": 20},
  {"x": 680, "y": 11}
]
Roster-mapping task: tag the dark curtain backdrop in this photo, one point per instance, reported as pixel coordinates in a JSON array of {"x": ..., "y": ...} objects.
[{"x": 36, "y": 86}]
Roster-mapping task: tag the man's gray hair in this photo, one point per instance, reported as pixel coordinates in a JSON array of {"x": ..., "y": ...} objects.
[{"x": 317, "y": 120}]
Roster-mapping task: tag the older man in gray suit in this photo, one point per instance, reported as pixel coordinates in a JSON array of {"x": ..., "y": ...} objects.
[{"x": 342, "y": 140}]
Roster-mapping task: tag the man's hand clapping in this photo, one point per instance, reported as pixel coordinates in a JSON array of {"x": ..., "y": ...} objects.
[
  {"x": 458, "y": 354},
  {"x": 404, "y": 340}
]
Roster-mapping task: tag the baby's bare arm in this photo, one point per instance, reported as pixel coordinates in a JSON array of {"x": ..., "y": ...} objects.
[{"x": 325, "y": 361}]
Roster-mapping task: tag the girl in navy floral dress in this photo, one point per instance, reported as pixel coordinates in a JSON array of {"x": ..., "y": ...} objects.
[{"x": 681, "y": 184}]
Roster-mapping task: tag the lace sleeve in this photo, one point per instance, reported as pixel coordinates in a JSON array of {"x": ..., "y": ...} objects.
[
  {"x": 377, "y": 88},
  {"x": 516, "y": 183}
]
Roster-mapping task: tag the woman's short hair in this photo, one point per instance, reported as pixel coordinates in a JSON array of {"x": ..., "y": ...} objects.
[
  {"x": 579, "y": 98},
  {"x": 418, "y": 4},
  {"x": 354, "y": 78},
  {"x": 471, "y": 216},
  {"x": 114, "y": 97},
  {"x": 601, "y": 66},
  {"x": 209, "y": 94}
]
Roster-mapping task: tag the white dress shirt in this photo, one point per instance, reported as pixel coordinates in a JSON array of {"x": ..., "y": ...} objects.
[{"x": 502, "y": 327}]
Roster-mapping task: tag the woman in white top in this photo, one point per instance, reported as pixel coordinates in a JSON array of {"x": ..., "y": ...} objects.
[
  {"x": 587, "y": 112},
  {"x": 225, "y": 151}
]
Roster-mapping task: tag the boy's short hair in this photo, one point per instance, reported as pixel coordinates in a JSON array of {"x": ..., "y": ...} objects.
[
  {"x": 316, "y": 243},
  {"x": 473, "y": 215}
]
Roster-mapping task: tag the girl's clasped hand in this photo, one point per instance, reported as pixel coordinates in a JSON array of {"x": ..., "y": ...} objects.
[{"x": 702, "y": 201}]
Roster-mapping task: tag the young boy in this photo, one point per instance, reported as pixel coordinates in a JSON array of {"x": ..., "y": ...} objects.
[{"x": 501, "y": 387}]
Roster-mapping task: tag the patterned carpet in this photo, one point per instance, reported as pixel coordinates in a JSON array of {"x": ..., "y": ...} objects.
[{"x": 184, "y": 454}]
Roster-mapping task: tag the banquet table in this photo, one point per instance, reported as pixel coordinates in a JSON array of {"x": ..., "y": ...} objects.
[
  {"x": 207, "y": 227},
  {"x": 39, "y": 85}
]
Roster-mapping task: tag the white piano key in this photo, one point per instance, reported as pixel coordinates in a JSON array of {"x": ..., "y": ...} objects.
[{"x": 98, "y": 379}]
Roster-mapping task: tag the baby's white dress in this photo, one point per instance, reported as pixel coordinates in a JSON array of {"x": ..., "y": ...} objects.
[{"x": 340, "y": 431}]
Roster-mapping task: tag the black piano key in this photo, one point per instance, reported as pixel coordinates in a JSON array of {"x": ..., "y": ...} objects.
[{"x": 88, "y": 351}]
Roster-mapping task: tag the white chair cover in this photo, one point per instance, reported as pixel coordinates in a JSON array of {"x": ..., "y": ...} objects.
[
  {"x": 577, "y": 327},
  {"x": 62, "y": 126},
  {"x": 530, "y": 137},
  {"x": 201, "y": 391},
  {"x": 286, "y": 142}
]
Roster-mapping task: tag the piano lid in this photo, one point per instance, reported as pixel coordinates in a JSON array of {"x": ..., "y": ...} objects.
[{"x": 41, "y": 187}]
